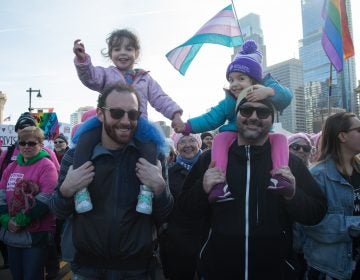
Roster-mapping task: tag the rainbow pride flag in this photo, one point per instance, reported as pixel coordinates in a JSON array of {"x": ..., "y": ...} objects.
[
  {"x": 48, "y": 122},
  {"x": 222, "y": 29},
  {"x": 336, "y": 39}
]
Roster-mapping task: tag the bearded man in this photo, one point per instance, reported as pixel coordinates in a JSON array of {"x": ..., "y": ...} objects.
[{"x": 113, "y": 240}]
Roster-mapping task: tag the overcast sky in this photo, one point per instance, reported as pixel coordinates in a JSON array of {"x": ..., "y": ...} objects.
[{"x": 36, "y": 39}]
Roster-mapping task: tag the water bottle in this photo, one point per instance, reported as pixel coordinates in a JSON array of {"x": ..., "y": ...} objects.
[
  {"x": 83, "y": 201},
  {"x": 145, "y": 197}
]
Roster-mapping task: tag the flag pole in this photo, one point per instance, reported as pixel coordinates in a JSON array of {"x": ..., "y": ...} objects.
[
  {"x": 237, "y": 19},
  {"x": 330, "y": 88}
]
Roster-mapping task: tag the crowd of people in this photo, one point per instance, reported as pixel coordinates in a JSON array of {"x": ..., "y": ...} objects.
[{"x": 225, "y": 196}]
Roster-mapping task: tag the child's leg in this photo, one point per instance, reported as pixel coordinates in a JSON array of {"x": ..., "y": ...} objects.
[
  {"x": 150, "y": 144},
  {"x": 89, "y": 124},
  {"x": 219, "y": 154},
  {"x": 152, "y": 140},
  {"x": 279, "y": 150},
  {"x": 90, "y": 136}
]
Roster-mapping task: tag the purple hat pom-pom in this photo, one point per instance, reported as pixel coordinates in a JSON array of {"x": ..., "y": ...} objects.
[{"x": 249, "y": 47}]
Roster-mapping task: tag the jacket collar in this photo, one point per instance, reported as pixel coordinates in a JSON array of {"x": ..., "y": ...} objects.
[
  {"x": 332, "y": 172},
  {"x": 100, "y": 150}
]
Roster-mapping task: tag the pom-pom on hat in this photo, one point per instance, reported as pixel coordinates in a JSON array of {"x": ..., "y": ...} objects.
[
  {"x": 25, "y": 119},
  {"x": 248, "y": 61}
]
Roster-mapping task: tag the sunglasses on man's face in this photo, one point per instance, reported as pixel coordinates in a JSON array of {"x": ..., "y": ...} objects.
[
  {"x": 58, "y": 142},
  {"x": 29, "y": 143},
  {"x": 118, "y": 113},
  {"x": 261, "y": 112},
  {"x": 297, "y": 147}
]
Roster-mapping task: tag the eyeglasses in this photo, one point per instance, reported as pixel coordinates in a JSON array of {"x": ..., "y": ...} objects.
[
  {"x": 118, "y": 113},
  {"x": 261, "y": 112},
  {"x": 297, "y": 147},
  {"x": 58, "y": 142},
  {"x": 354, "y": 128},
  {"x": 29, "y": 143}
]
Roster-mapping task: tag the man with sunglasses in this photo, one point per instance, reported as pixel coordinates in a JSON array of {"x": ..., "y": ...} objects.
[
  {"x": 113, "y": 240},
  {"x": 250, "y": 236}
]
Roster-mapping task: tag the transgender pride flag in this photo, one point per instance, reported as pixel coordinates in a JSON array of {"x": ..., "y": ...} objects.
[
  {"x": 336, "y": 39},
  {"x": 222, "y": 29}
]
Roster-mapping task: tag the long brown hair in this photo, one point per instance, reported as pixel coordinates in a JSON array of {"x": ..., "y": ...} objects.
[{"x": 330, "y": 142}]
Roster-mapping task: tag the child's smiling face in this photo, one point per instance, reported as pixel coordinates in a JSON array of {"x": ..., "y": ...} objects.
[
  {"x": 124, "y": 55},
  {"x": 237, "y": 82}
]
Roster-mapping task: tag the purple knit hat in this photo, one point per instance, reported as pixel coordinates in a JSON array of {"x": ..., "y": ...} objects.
[{"x": 247, "y": 61}]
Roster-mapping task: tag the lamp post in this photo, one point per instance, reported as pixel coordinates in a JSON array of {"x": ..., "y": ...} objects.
[{"x": 30, "y": 91}]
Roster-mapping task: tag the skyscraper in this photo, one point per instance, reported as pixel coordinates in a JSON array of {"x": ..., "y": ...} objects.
[
  {"x": 289, "y": 73},
  {"x": 316, "y": 66},
  {"x": 251, "y": 29}
]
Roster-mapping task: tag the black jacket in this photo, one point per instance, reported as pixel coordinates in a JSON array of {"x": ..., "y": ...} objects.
[
  {"x": 113, "y": 235},
  {"x": 251, "y": 234}
]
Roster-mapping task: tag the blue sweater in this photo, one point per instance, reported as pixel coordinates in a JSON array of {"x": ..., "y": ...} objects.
[{"x": 223, "y": 114}]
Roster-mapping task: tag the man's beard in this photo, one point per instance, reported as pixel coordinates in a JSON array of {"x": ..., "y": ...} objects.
[
  {"x": 253, "y": 135},
  {"x": 111, "y": 132}
]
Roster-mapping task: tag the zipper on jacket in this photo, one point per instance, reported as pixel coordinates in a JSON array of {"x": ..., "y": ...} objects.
[
  {"x": 206, "y": 242},
  {"x": 118, "y": 163},
  {"x": 247, "y": 150}
]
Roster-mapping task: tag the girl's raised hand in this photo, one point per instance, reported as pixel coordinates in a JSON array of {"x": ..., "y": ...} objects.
[
  {"x": 79, "y": 50},
  {"x": 259, "y": 92}
]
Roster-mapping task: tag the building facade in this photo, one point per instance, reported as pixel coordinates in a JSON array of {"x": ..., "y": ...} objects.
[
  {"x": 320, "y": 93},
  {"x": 75, "y": 117},
  {"x": 289, "y": 73}
]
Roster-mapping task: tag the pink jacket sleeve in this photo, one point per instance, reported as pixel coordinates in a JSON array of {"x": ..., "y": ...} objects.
[{"x": 162, "y": 102}]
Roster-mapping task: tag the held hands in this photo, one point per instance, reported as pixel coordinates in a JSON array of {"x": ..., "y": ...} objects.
[
  {"x": 283, "y": 183},
  {"x": 79, "y": 50},
  {"x": 77, "y": 179},
  {"x": 212, "y": 177},
  {"x": 177, "y": 124},
  {"x": 259, "y": 92},
  {"x": 150, "y": 175}
]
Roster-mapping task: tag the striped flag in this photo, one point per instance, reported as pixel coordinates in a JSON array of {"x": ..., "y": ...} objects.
[
  {"x": 336, "y": 39},
  {"x": 222, "y": 29}
]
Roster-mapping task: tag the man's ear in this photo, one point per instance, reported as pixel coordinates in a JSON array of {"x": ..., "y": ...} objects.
[{"x": 100, "y": 114}]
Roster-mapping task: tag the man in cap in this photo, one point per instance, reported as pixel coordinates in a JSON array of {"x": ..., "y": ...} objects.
[{"x": 251, "y": 231}]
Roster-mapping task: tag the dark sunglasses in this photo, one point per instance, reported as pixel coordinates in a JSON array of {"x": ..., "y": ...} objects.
[
  {"x": 58, "y": 142},
  {"x": 118, "y": 113},
  {"x": 29, "y": 143},
  {"x": 261, "y": 112},
  {"x": 297, "y": 147}
]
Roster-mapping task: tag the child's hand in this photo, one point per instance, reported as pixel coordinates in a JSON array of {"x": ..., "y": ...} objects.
[
  {"x": 79, "y": 50},
  {"x": 259, "y": 92},
  {"x": 177, "y": 124}
]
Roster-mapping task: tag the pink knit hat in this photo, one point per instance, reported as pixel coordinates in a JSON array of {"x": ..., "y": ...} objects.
[
  {"x": 177, "y": 136},
  {"x": 297, "y": 136}
]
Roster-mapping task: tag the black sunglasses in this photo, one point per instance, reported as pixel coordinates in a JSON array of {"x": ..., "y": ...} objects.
[
  {"x": 58, "y": 142},
  {"x": 29, "y": 143},
  {"x": 297, "y": 147},
  {"x": 261, "y": 112},
  {"x": 118, "y": 113}
]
